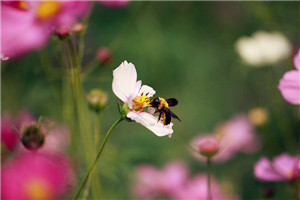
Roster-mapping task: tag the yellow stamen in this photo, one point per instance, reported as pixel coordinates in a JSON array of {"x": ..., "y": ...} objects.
[
  {"x": 140, "y": 102},
  {"x": 22, "y": 5},
  {"x": 38, "y": 189},
  {"x": 47, "y": 9}
]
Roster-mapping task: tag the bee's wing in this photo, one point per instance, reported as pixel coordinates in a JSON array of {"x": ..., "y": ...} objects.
[
  {"x": 167, "y": 117},
  {"x": 173, "y": 115},
  {"x": 172, "y": 102}
]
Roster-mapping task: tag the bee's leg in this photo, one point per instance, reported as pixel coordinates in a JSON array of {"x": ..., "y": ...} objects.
[{"x": 159, "y": 117}]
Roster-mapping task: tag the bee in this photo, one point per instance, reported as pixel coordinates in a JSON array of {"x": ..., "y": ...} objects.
[{"x": 162, "y": 106}]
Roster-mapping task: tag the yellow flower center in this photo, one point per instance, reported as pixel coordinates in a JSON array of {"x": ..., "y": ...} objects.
[
  {"x": 47, "y": 9},
  {"x": 38, "y": 189},
  {"x": 140, "y": 102},
  {"x": 290, "y": 174},
  {"x": 22, "y": 5}
]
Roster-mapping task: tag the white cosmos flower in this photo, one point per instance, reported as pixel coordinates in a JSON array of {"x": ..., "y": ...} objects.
[
  {"x": 137, "y": 97},
  {"x": 263, "y": 48}
]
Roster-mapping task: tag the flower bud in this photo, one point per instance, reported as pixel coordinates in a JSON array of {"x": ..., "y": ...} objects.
[
  {"x": 97, "y": 99},
  {"x": 208, "y": 146},
  {"x": 33, "y": 136},
  {"x": 269, "y": 192},
  {"x": 77, "y": 28},
  {"x": 62, "y": 32},
  {"x": 103, "y": 55}
]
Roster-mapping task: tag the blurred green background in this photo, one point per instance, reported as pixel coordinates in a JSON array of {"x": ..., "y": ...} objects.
[{"x": 183, "y": 50}]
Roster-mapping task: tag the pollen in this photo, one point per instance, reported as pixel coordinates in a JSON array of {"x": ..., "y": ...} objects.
[
  {"x": 47, "y": 9},
  {"x": 140, "y": 102}
]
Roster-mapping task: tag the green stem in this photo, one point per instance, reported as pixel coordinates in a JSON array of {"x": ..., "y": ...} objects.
[
  {"x": 96, "y": 141},
  {"x": 97, "y": 129},
  {"x": 96, "y": 159},
  {"x": 209, "y": 195}
]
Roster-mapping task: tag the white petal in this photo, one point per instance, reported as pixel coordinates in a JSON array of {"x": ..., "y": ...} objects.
[
  {"x": 151, "y": 122},
  {"x": 124, "y": 81},
  {"x": 151, "y": 110},
  {"x": 147, "y": 89},
  {"x": 135, "y": 92}
]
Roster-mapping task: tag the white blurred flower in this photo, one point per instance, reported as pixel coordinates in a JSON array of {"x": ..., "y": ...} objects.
[
  {"x": 137, "y": 97},
  {"x": 263, "y": 48}
]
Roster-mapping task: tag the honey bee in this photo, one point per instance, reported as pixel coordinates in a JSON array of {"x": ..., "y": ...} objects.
[{"x": 162, "y": 106}]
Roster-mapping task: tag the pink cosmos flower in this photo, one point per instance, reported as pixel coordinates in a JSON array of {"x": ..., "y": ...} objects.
[
  {"x": 27, "y": 25},
  {"x": 289, "y": 84},
  {"x": 151, "y": 182},
  {"x": 136, "y": 98},
  {"x": 9, "y": 137},
  {"x": 36, "y": 176},
  {"x": 235, "y": 135},
  {"x": 196, "y": 189},
  {"x": 114, "y": 4},
  {"x": 283, "y": 168}
]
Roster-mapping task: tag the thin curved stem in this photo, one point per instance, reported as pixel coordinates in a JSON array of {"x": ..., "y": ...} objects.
[
  {"x": 209, "y": 195},
  {"x": 96, "y": 159}
]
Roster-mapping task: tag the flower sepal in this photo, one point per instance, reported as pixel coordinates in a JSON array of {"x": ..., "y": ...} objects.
[{"x": 124, "y": 110}]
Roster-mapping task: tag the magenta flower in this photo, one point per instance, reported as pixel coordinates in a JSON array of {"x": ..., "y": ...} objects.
[
  {"x": 9, "y": 137},
  {"x": 115, "y": 4},
  {"x": 196, "y": 188},
  {"x": 283, "y": 168},
  {"x": 27, "y": 25},
  {"x": 289, "y": 84},
  {"x": 151, "y": 182},
  {"x": 36, "y": 176}
]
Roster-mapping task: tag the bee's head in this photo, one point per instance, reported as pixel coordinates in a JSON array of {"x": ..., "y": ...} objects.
[{"x": 155, "y": 102}]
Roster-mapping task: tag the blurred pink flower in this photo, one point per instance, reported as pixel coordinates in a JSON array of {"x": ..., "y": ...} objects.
[
  {"x": 9, "y": 137},
  {"x": 114, "y": 4},
  {"x": 151, "y": 182},
  {"x": 196, "y": 189},
  {"x": 289, "y": 84},
  {"x": 283, "y": 168},
  {"x": 57, "y": 139},
  {"x": 27, "y": 25},
  {"x": 36, "y": 176},
  {"x": 235, "y": 135}
]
